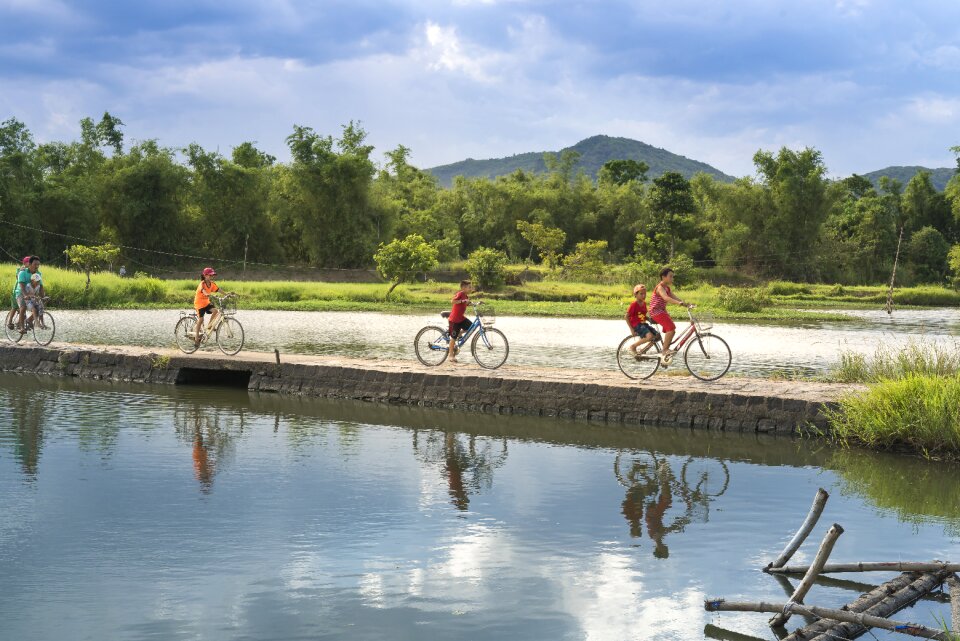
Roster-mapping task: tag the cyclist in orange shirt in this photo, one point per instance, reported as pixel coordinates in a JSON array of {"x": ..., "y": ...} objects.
[{"x": 201, "y": 301}]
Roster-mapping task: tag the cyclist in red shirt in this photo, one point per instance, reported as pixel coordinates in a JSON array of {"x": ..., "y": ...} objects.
[
  {"x": 658, "y": 310},
  {"x": 458, "y": 318},
  {"x": 636, "y": 318}
]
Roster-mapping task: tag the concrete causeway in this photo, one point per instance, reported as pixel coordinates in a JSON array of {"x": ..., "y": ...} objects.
[{"x": 731, "y": 404}]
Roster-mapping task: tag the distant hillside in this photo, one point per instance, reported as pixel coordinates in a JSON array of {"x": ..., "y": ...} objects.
[
  {"x": 939, "y": 177},
  {"x": 594, "y": 152}
]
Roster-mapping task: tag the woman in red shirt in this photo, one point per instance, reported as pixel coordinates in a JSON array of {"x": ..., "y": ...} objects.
[{"x": 658, "y": 309}]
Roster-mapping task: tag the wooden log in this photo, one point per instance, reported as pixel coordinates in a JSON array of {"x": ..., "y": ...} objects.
[
  {"x": 866, "y": 620},
  {"x": 819, "y": 502},
  {"x": 826, "y": 547},
  {"x": 954, "y": 583},
  {"x": 883, "y": 601},
  {"x": 863, "y": 588},
  {"x": 871, "y": 566},
  {"x": 722, "y": 634}
]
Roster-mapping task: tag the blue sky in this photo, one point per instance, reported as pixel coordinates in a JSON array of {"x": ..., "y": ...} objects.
[{"x": 868, "y": 82}]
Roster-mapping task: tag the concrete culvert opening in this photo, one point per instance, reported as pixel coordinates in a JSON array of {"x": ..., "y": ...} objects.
[{"x": 221, "y": 377}]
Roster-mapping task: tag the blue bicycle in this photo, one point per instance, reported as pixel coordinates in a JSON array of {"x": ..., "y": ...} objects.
[{"x": 489, "y": 346}]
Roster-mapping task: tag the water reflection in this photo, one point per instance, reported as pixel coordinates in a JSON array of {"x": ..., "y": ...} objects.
[
  {"x": 208, "y": 432},
  {"x": 466, "y": 461},
  {"x": 26, "y": 417},
  {"x": 652, "y": 486}
]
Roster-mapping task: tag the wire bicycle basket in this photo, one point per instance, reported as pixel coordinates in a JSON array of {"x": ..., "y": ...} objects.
[
  {"x": 487, "y": 315},
  {"x": 228, "y": 305},
  {"x": 703, "y": 321}
]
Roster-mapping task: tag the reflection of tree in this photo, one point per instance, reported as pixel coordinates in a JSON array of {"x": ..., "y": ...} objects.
[
  {"x": 467, "y": 461},
  {"x": 652, "y": 487},
  {"x": 204, "y": 428},
  {"x": 27, "y": 417}
]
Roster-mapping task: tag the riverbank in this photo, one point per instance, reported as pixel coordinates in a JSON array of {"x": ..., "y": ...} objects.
[
  {"x": 731, "y": 404},
  {"x": 775, "y": 301}
]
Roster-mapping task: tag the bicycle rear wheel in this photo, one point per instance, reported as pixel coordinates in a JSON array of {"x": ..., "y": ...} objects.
[
  {"x": 490, "y": 348},
  {"x": 230, "y": 336},
  {"x": 707, "y": 357},
  {"x": 637, "y": 366},
  {"x": 183, "y": 334},
  {"x": 44, "y": 335},
  {"x": 431, "y": 345},
  {"x": 13, "y": 335}
]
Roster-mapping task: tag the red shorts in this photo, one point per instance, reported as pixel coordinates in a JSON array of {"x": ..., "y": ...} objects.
[{"x": 663, "y": 320}]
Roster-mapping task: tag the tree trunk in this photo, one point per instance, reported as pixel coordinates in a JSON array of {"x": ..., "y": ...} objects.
[
  {"x": 393, "y": 286},
  {"x": 87, "y": 287}
]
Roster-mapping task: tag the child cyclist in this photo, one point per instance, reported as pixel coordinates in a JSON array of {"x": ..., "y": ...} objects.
[
  {"x": 202, "y": 304},
  {"x": 458, "y": 318},
  {"x": 636, "y": 318},
  {"x": 14, "y": 306},
  {"x": 662, "y": 295}
]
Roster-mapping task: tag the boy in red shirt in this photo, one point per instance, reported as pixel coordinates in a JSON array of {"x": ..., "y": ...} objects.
[
  {"x": 458, "y": 319},
  {"x": 637, "y": 320}
]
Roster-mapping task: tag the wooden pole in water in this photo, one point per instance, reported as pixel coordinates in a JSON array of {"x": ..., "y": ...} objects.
[
  {"x": 954, "y": 583},
  {"x": 826, "y": 547},
  {"x": 722, "y": 634},
  {"x": 819, "y": 502},
  {"x": 871, "y": 566},
  {"x": 865, "y": 620},
  {"x": 893, "y": 275}
]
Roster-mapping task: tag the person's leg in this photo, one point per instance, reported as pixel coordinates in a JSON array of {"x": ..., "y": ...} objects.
[
  {"x": 213, "y": 319},
  {"x": 667, "y": 339},
  {"x": 23, "y": 315},
  {"x": 198, "y": 328},
  {"x": 452, "y": 347}
]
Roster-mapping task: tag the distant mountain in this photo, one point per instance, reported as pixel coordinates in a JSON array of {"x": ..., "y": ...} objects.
[
  {"x": 594, "y": 152},
  {"x": 939, "y": 177}
]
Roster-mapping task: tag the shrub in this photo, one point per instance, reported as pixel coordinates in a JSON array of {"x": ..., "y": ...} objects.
[
  {"x": 586, "y": 260},
  {"x": 400, "y": 260},
  {"x": 786, "y": 288},
  {"x": 925, "y": 358},
  {"x": 917, "y": 411},
  {"x": 928, "y": 251},
  {"x": 487, "y": 267},
  {"x": 742, "y": 299}
]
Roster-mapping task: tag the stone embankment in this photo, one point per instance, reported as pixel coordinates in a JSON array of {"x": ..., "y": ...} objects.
[{"x": 731, "y": 404}]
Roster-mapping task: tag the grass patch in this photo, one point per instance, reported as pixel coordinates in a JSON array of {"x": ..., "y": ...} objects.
[
  {"x": 926, "y": 358},
  {"x": 918, "y": 411}
]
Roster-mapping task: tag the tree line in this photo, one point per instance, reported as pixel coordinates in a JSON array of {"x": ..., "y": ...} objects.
[{"x": 334, "y": 205}]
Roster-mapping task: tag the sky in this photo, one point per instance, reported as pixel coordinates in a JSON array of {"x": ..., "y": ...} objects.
[{"x": 870, "y": 83}]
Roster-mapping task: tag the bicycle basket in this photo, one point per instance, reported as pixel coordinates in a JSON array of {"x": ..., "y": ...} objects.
[
  {"x": 228, "y": 305},
  {"x": 487, "y": 315},
  {"x": 703, "y": 321}
]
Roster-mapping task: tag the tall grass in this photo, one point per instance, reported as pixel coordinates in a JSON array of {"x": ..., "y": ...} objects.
[
  {"x": 928, "y": 358},
  {"x": 919, "y": 412}
]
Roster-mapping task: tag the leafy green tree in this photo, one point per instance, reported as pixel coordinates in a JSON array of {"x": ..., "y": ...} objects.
[
  {"x": 487, "y": 267},
  {"x": 674, "y": 218},
  {"x": 399, "y": 261},
  {"x": 953, "y": 260},
  {"x": 621, "y": 172},
  {"x": 927, "y": 252},
  {"x": 924, "y": 206},
  {"x": 88, "y": 259},
  {"x": 588, "y": 259},
  {"x": 21, "y": 182},
  {"x": 548, "y": 241}
]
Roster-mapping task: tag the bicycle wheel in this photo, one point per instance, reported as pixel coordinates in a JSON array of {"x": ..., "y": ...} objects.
[
  {"x": 183, "y": 333},
  {"x": 490, "y": 348},
  {"x": 230, "y": 336},
  {"x": 13, "y": 335},
  {"x": 705, "y": 476},
  {"x": 431, "y": 345},
  {"x": 44, "y": 335},
  {"x": 637, "y": 366},
  {"x": 707, "y": 357}
]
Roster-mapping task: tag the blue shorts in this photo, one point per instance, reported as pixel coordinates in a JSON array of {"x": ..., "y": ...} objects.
[{"x": 642, "y": 329}]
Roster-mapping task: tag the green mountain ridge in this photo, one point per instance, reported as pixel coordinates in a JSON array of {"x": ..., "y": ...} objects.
[
  {"x": 594, "y": 152},
  {"x": 939, "y": 176}
]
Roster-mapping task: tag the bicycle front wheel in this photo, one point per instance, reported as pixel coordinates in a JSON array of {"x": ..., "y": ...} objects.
[
  {"x": 490, "y": 348},
  {"x": 707, "y": 357},
  {"x": 183, "y": 333},
  {"x": 638, "y": 366},
  {"x": 44, "y": 335},
  {"x": 230, "y": 336},
  {"x": 431, "y": 345},
  {"x": 13, "y": 334}
]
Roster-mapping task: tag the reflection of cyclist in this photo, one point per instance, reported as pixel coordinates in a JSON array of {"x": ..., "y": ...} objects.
[
  {"x": 203, "y": 467},
  {"x": 657, "y": 509},
  {"x": 454, "y": 468}
]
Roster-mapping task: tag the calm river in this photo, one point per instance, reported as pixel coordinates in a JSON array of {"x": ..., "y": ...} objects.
[
  {"x": 186, "y": 513},
  {"x": 809, "y": 348}
]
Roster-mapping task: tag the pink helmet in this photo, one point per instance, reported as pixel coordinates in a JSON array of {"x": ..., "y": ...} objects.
[
  {"x": 209, "y": 271},
  {"x": 26, "y": 260}
]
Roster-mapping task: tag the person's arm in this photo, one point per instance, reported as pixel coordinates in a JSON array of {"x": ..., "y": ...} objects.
[
  {"x": 670, "y": 299},
  {"x": 626, "y": 317}
]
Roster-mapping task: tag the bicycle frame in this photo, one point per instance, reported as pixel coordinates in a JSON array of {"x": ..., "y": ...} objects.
[{"x": 686, "y": 335}]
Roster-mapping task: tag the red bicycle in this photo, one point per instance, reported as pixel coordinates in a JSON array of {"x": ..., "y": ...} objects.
[{"x": 706, "y": 355}]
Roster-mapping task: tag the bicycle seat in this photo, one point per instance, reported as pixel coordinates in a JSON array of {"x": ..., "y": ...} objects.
[{"x": 445, "y": 314}]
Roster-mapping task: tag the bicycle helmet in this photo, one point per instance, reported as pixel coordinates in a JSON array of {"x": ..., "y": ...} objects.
[
  {"x": 26, "y": 260},
  {"x": 638, "y": 288},
  {"x": 209, "y": 271}
]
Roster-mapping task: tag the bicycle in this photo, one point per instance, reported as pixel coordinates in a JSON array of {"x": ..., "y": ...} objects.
[
  {"x": 228, "y": 330},
  {"x": 43, "y": 332},
  {"x": 707, "y": 356},
  {"x": 489, "y": 346}
]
